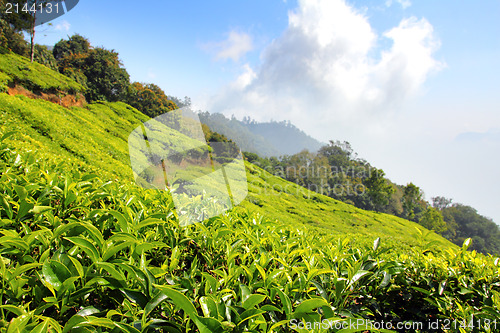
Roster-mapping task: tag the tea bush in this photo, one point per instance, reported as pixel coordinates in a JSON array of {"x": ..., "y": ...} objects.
[
  {"x": 34, "y": 76},
  {"x": 81, "y": 254}
]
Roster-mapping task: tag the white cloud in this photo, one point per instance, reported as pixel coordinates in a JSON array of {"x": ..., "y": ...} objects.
[
  {"x": 404, "y": 3},
  {"x": 329, "y": 75},
  {"x": 245, "y": 79},
  {"x": 234, "y": 47},
  {"x": 325, "y": 72},
  {"x": 63, "y": 26}
]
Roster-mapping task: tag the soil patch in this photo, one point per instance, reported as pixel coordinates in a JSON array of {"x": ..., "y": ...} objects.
[{"x": 66, "y": 100}]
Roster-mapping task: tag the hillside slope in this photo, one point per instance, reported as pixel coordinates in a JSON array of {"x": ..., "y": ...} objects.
[
  {"x": 94, "y": 139},
  {"x": 18, "y": 70}
]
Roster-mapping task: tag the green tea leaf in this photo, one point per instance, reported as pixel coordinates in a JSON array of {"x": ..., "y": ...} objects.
[
  {"x": 376, "y": 244},
  {"x": 86, "y": 246},
  {"x": 253, "y": 300},
  {"x": 205, "y": 326},
  {"x": 55, "y": 274},
  {"x": 310, "y": 304},
  {"x": 153, "y": 303},
  {"x": 40, "y": 209}
]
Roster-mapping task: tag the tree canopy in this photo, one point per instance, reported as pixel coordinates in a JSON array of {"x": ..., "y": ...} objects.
[
  {"x": 379, "y": 190},
  {"x": 106, "y": 77},
  {"x": 11, "y": 28},
  {"x": 99, "y": 69},
  {"x": 433, "y": 220},
  {"x": 411, "y": 196},
  {"x": 149, "y": 99},
  {"x": 76, "y": 44}
]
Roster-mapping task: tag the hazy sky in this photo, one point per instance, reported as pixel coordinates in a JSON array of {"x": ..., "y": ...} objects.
[{"x": 413, "y": 85}]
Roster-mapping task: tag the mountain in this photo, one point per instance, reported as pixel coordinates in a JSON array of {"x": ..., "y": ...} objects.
[
  {"x": 285, "y": 136},
  {"x": 266, "y": 138}
]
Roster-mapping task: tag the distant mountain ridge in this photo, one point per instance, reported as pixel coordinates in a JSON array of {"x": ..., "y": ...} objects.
[{"x": 265, "y": 139}]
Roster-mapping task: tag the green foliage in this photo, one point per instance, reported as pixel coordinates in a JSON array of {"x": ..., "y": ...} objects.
[
  {"x": 78, "y": 253},
  {"x": 83, "y": 249},
  {"x": 98, "y": 69},
  {"x": 35, "y": 77},
  {"x": 107, "y": 80},
  {"x": 93, "y": 138},
  {"x": 338, "y": 153},
  {"x": 283, "y": 201},
  {"x": 12, "y": 39},
  {"x": 4, "y": 82},
  {"x": 466, "y": 223},
  {"x": 349, "y": 179},
  {"x": 337, "y": 172},
  {"x": 441, "y": 203},
  {"x": 75, "y": 45},
  {"x": 18, "y": 21},
  {"x": 411, "y": 196},
  {"x": 432, "y": 219},
  {"x": 149, "y": 99},
  {"x": 45, "y": 57},
  {"x": 379, "y": 190}
]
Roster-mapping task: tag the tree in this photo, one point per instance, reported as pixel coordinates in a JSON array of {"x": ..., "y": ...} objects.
[
  {"x": 181, "y": 103},
  {"x": 32, "y": 6},
  {"x": 432, "y": 219},
  {"x": 484, "y": 232},
  {"x": 75, "y": 45},
  {"x": 25, "y": 19},
  {"x": 441, "y": 202},
  {"x": 339, "y": 154},
  {"x": 98, "y": 69},
  {"x": 44, "y": 56},
  {"x": 12, "y": 40},
  {"x": 411, "y": 196},
  {"x": 106, "y": 78},
  {"x": 149, "y": 99},
  {"x": 378, "y": 189},
  {"x": 395, "y": 206},
  {"x": 451, "y": 226},
  {"x": 11, "y": 28},
  {"x": 32, "y": 27},
  {"x": 250, "y": 157},
  {"x": 19, "y": 20}
]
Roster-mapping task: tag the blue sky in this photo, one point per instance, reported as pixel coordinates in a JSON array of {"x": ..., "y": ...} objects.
[{"x": 413, "y": 85}]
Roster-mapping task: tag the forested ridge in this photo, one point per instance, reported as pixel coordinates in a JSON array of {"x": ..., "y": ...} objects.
[{"x": 336, "y": 171}]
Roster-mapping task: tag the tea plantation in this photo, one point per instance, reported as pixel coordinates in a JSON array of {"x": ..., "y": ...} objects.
[{"x": 83, "y": 249}]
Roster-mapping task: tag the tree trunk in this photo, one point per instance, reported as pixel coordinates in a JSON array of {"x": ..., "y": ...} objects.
[{"x": 32, "y": 52}]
